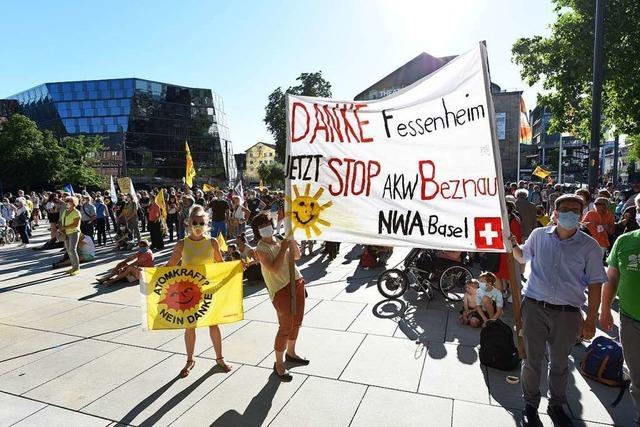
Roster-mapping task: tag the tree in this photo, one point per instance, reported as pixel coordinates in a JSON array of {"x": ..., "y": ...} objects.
[
  {"x": 563, "y": 63},
  {"x": 29, "y": 157},
  {"x": 271, "y": 173},
  {"x": 311, "y": 84},
  {"x": 81, "y": 160}
]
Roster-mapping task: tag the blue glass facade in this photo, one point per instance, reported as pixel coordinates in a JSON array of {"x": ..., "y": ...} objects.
[{"x": 152, "y": 119}]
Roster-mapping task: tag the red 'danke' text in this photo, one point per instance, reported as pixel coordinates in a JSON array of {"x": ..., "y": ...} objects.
[{"x": 322, "y": 122}]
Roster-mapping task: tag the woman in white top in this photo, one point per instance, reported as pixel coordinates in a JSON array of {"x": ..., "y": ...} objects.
[{"x": 239, "y": 215}]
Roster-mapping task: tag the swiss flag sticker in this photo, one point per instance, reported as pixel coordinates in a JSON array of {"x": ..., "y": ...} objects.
[{"x": 488, "y": 232}]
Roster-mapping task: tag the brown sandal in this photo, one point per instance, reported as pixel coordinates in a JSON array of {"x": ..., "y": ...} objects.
[
  {"x": 220, "y": 362},
  {"x": 185, "y": 371}
]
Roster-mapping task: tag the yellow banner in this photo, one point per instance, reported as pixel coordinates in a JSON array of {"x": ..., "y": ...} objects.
[
  {"x": 190, "y": 169},
  {"x": 208, "y": 188},
  {"x": 191, "y": 296},
  {"x": 540, "y": 172}
]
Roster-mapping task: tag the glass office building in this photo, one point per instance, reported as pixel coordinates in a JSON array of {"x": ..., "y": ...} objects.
[{"x": 144, "y": 125}]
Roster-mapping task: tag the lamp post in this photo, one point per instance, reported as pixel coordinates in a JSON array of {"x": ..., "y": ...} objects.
[
  {"x": 124, "y": 150},
  {"x": 596, "y": 95}
]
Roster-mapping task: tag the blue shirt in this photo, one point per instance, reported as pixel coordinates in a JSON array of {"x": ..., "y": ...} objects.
[
  {"x": 561, "y": 270},
  {"x": 101, "y": 210}
]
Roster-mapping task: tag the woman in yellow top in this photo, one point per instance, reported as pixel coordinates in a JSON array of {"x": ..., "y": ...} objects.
[
  {"x": 198, "y": 249},
  {"x": 70, "y": 232},
  {"x": 273, "y": 255}
]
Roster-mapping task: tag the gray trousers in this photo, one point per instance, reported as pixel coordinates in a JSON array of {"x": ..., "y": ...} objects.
[
  {"x": 553, "y": 329},
  {"x": 71, "y": 245},
  {"x": 133, "y": 226},
  {"x": 630, "y": 339}
]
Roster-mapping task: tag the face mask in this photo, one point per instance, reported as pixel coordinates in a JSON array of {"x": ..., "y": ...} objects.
[
  {"x": 142, "y": 249},
  {"x": 483, "y": 285},
  {"x": 568, "y": 220},
  {"x": 638, "y": 218},
  {"x": 197, "y": 229},
  {"x": 266, "y": 231}
]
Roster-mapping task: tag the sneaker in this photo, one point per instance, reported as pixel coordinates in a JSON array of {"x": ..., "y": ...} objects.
[
  {"x": 559, "y": 416},
  {"x": 74, "y": 272},
  {"x": 530, "y": 417}
]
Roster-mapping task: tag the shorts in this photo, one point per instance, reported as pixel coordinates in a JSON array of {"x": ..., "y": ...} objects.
[{"x": 131, "y": 278}]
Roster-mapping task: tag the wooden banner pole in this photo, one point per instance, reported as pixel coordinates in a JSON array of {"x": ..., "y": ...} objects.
[{"x": 514, "y": 281}]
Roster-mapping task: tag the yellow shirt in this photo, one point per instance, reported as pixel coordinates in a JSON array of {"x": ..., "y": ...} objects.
[
  {"x": 544, "y": 220},
  {"x": 67, "y": 218},
  {"x": 278, "y": 279},
  {"x": 197, "y": 252}
]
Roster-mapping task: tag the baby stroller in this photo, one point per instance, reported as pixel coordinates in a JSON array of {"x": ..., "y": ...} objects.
[{"x": 422, "y": 270}]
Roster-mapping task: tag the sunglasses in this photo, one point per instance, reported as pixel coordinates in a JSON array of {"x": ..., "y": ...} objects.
[{"x": 201, "y": 224}]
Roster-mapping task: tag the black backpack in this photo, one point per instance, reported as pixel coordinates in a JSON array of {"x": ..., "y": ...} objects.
[{"x": 497, "y": 349}]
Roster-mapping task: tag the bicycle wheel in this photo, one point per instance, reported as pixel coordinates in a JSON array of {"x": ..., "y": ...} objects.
[
  {"x": 11, "y": 235},
  {"x": 452, "y": 282},
  {"x": 392, "y": 283}
]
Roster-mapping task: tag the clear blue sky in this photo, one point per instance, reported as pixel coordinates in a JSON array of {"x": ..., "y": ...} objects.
[{"x": 245, "y": 49}]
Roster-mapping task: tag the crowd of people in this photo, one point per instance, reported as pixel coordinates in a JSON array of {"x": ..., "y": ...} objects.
[{"x": 567, "y": 235}]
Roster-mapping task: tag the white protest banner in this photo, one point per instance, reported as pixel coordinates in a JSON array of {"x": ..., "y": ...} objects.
[{"x": 419, "y": 168}]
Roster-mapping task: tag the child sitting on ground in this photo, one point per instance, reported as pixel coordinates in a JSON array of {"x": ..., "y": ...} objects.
[
  {"x": 469, "y": 315},
  {"x": 489, "y": 298}
]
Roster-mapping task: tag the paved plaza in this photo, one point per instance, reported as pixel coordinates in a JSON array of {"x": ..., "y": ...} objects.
[{"x": 74, "y": 354}]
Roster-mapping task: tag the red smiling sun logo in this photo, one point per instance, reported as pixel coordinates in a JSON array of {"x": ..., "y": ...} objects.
[{"x": 183, "y": 295}]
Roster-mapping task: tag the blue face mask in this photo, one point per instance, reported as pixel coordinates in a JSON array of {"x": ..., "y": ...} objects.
[
  {"x": 568, "y": 220},
  {"x": 483, "y": 286}
]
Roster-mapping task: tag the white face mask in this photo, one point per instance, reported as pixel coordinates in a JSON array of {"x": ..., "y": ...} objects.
[{"x": 266, "y": 231}]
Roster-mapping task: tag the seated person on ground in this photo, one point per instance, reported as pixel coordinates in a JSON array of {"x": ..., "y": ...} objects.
[
  {"x": 489, "y": 298},
  {"x": 129, "y": 268},
  {"x": 250, "y": 263},
  {"x": 86, "y": 252},
  {"x": 124, "y": 238},
  {"x": 469, "y": 315}
]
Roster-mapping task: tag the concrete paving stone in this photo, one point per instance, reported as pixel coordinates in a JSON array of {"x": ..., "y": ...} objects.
[
  {"x": 27, "y": 351},
  {"x": 384, "y": 407},
  {"x": 322, "y": 402},
  {"x": 461, "y": 334},
  {"x": 14, "y": 408},
  {"x": 474, "y": 414},
  {"x": 368, "y": 323},
  {"x": 423, "y": 324},
  {"x": 10, "y": 334},
  {"x": 250, "y": 344},
  {"x": 25, "y": 304},
  {"x": 158, "y": 396},
  {"x": 329, "y": 351},
  {"x": 39, "y": 314},
  {"x": 59, "y": 362},
  {"x": 83, "y": 385},
  {"x": 367, "y": 292},
  {"x": 250, "y": 397},
  {"x": 52, "y": 416},
  {"x": 76, "y": 288},
  {"x": 454, "y": 371},
  {"x": 125, "y": 294},
  {"x": 249, "y": 302},
  {"x": 326, "y": 291},
  {"x": 149, "y": 339},
  {"x": 123, "y": 318},
  {"x": 333, "y": 315},
  {"x": 81, "y": 315},
  {"x": 203, "y": 339},
  {"x": 265, "y": 312},
  {"x": 386, "y": 362}
]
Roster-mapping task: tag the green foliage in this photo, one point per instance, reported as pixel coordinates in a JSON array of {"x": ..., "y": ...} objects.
[
  {"x": 563, "y": 63},
  {"x": 311, "y": 84},
  {"x": 634, "y": 148},
  {"x": 34, "y": 159},
  {"x": 271, "y": 173}
]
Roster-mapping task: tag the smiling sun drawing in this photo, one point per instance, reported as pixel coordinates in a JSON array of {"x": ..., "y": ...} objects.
[
  {"x": 182, "y": 295},
  {"x": 305, "y": 210}
]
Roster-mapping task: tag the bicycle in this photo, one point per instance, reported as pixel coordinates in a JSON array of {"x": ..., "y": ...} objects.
[{"x": 421, "y": 269}]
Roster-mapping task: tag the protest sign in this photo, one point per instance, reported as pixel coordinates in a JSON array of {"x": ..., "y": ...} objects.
[
  {"x": 191, "y": 296},
  {"x": 418, "y": 168}
]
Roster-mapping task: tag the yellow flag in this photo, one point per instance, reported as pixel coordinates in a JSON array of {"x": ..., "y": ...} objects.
[
  {"x": 191, "y": 169},
  {"x": 192, "y": 296},
  {"x": 540, "y": 172},
  {"x": 208, "y": 188},
  {"x": 160, "y": 202},
  {"x": 222, "y": 243},
  {"x": 260, "y": 187}
]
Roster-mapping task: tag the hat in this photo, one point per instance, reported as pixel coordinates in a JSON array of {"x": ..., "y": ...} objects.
[{"x": 569, "y": 198}]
